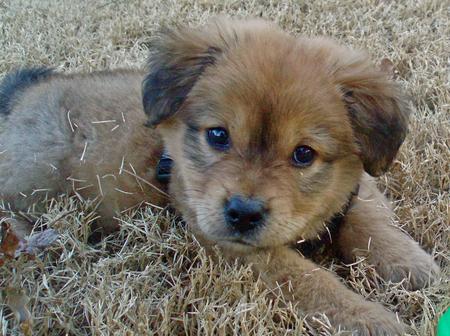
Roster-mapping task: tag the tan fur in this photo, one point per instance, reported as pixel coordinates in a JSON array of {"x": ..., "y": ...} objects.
[
  {"x": 272, "y": 92},
  {"x": 81, "y": 134},
  {"x": 396, "y": 256}
]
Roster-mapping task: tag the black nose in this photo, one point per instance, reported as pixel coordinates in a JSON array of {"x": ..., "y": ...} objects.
[{"x": 244, "y": 214}]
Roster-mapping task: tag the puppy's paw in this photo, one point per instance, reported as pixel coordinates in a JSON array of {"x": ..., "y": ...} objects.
[
  {"x": 370, "y": 319},
  {"x": 417, "y": 267}
]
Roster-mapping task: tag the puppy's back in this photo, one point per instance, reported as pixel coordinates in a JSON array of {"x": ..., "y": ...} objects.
[
  {"x": 55, "y": 126},
  {"x": 16, "y": 82}
]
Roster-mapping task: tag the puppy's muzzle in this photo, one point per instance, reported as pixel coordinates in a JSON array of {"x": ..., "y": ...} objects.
[{"x": 244, "y": 214}]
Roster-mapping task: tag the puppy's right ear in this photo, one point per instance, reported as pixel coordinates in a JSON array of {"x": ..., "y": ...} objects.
[{"x": 177, "y": 59}]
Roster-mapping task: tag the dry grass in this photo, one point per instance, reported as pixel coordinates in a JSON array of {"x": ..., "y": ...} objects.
[{"x": 152, "y": 277}]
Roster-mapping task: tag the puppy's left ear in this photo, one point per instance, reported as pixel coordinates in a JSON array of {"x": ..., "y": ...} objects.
[
  {"x": 377, "y": 108},
  {"x": 177, "y": 59}
]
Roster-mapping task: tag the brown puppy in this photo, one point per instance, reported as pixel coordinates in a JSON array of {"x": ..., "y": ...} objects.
[{"x": 270, "y": 136}]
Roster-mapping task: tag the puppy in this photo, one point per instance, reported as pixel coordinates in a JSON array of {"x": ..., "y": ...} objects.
[
  {"x": 272, "y": 139},
  {"x": 271, "y": 136}
]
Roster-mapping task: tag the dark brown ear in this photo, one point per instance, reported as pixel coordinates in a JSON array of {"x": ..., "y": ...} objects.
[
  {"x": 177, "y": 59},
  {"x": 377, "y": 108}
]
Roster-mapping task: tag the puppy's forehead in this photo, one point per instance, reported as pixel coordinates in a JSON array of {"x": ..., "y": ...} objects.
[{"x": 273, "y": 91}]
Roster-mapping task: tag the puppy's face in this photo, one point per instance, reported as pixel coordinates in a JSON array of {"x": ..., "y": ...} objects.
[{"x": 268, "y": 135}]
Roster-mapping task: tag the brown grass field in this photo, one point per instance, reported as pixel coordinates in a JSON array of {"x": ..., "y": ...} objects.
[{"x": 152, "y": 278}]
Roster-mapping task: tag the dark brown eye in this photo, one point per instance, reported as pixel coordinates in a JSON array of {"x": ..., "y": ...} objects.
[
  {"x": 218, "y": 138},
  {"x": 303, "y": 156}
]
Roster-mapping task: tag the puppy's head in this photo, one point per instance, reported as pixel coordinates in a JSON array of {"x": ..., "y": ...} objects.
[{"x": 269, "y": 133}]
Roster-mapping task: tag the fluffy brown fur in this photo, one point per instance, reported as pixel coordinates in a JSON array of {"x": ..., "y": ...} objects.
[
  {"x": 80, "y": 134},
  {"x": 272, "y": 92}
]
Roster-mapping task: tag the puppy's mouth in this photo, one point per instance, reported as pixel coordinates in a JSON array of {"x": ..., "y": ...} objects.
[
  {"x": 237, "y": 245},
  {"x": 233, "y": 238},
  {"x": 238, "y": 241}
]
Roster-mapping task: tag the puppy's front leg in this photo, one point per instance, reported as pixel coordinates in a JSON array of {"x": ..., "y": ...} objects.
[
  {"x": 317, "y": 290},
  {"x": 366, "y": 232}
]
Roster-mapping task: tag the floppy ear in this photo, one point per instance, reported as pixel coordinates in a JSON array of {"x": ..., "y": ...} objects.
[
  {"x": 177, "y": 59},
  {"x": 377, "y": 108}
]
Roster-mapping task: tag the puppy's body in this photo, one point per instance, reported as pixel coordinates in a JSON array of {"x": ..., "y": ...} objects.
[
  {"x": 77, "y": 133},
  {"x": 232, "y": 103}
]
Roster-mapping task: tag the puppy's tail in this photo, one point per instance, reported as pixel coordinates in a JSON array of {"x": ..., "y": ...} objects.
[{"x": 16, "y": 82}]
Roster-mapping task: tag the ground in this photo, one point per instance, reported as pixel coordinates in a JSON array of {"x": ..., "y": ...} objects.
[{"x": 152, "y": 277}]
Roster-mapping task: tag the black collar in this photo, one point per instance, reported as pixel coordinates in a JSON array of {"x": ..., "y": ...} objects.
[
  {"x": 306, "y": 247},
  {"x": 164, "y": 168},
  {"x": 332, "y": 226}
]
